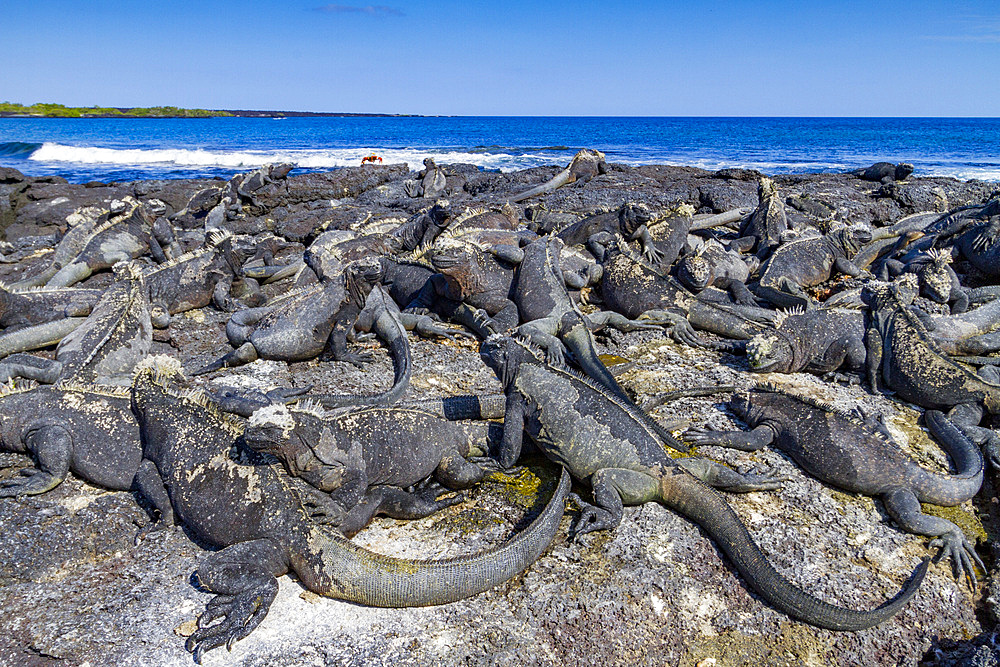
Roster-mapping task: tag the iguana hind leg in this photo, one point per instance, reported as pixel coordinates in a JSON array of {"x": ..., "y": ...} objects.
[
  {"x": 52, "y": 447},
  {"x": 903, "y": 506},
  {"x": 243, "y": 577},
  {"x": 613, "y": 489},
  {"x": 244, "y": 354},
  {"x": 396, "y": 503},
  {"x": 725, "y": 478}
]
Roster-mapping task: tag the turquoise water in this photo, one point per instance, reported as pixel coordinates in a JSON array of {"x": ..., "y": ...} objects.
[{"x": 127, "y": 149}]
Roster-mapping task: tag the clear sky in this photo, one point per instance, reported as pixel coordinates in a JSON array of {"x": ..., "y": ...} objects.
[{"x": 511, "y": 57}]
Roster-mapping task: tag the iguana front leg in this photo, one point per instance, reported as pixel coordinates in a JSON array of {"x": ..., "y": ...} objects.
[
  {"x": 542, "y": 334},
  {"x": 903, "y": 506},
  {"x": 244, "y": 579},
  {"x": 725, "y": 478},
  {"x": 747, "y": 441},
  {"x": 52, "y": 447},
  {"x": 397, "y": 504},
  {"x": 513, "y": 431},
  {"x": 677, "y": 325}
]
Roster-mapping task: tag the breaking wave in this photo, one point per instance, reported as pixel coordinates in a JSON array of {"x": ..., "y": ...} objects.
[
  {"x": 306, "y": 158},
  {"x": 18, "y": 149}
]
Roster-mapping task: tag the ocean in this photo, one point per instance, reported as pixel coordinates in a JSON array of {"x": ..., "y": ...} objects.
[{"x": 89, "y": 149}]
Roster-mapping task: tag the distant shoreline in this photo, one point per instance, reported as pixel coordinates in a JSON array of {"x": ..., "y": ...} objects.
[{"x": 9, "y": 110}]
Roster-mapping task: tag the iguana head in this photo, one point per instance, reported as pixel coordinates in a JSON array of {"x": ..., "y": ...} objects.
[
  {"x": 935, "y": 275},
  {"x": 769, "y": 352},
  {"x": 504, "y": 354},
  {"x": 694, "y": 270},
  {"x": 360, "y": 276}
]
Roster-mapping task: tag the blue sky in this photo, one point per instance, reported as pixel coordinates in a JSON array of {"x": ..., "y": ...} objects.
[{"x": 771, "y": 58}]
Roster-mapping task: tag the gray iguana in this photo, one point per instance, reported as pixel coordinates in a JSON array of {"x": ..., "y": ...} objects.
[
  {"x": 859, "y": 454},
  {"x": 604, "y": 443},
  {"x": 253, "y": 513}
]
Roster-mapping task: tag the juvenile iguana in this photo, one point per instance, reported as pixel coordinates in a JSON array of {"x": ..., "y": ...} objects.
[
  {"x": 859, "y": 454},
  {"x": 253, "y": 513},
  {"x": 603, "y": 442}
]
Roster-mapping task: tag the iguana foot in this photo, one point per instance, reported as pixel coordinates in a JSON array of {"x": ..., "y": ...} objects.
[
  {"x": 591, "y": 518},
  {"x": 962, "y": 553},
  {"x": 755, "y": 479},
  {"x": 358, "y": 359},
  {"x": 493, "y": 466},
  {"x": 701, "y": 436},
  {"x": 31, "y": 482},
  {"x": 240, "y": 614}
]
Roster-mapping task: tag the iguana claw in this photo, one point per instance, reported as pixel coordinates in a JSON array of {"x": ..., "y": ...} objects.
[
  {"x": 962, "y": 553},
  {"x": 239, "y": 615}
]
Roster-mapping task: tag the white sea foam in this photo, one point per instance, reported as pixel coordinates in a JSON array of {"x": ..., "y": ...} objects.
[
  {"x": 328, "y": 158},
  {"x": 308, "y": 159}
]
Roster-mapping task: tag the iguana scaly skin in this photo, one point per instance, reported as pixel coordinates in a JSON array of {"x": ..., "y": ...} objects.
[
  {"x": 858, "y": 454},
  {"x": 807, "y": 262},
  {"x": 552, "y": 320},
  {"x": 105, "y": 347},
  {"x": 130, "y": 236},
  {"x": 254, "y": 514},
  {"x": 84, "y": 429},
  {"x": 762, "y": 231},
  {"x": 602, "y": 442},
  {"x": 903, "y": 357},
  {"x": 366, "y": 458}
]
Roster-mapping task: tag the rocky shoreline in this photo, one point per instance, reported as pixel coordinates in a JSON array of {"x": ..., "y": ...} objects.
[{"x": 74, "y": 589}]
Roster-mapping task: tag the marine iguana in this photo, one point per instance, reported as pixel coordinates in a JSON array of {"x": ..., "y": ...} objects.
[
  {"x": 84, "y": 222},
  {"x": 603, "y": 442},
  {"x": 711, "y": 265},
  {"x": 860, "y": 455},
  {"x": 126, "y": 237},
  {"x": 905, "y": 357},
  {"x": 586, "y": 164},
  {"x": 69, "y": 427},
  {"x": 254, "y": 514},
  {"x": 104, "y": 348},
  {"x": 552, "y": 320},
  {"x": 302, "y": 324},
  {"x": 762, "y": 232},
  {"x": 827, "y": 339},
  {"x": 197, "y": 278},
  {"x": 431, "y": 181},
  {"x": 822, "y": 340},
  {"x": 25, "y": 307},
  {"x": 366, "y": 458},
  {"x": 807, "y": 262},
  {"x": 884, "y": 172}
]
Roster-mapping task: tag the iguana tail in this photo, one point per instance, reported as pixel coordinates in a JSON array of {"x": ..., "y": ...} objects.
[
  {"x": 945, "y": 489},
  {"x": 706, "y": 507},
  {"x": 347, "y": 572},
  {"x": 70, "y": 275}
]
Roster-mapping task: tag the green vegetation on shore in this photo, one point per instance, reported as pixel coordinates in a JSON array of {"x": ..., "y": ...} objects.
[{"x": 50, "y": 110}]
